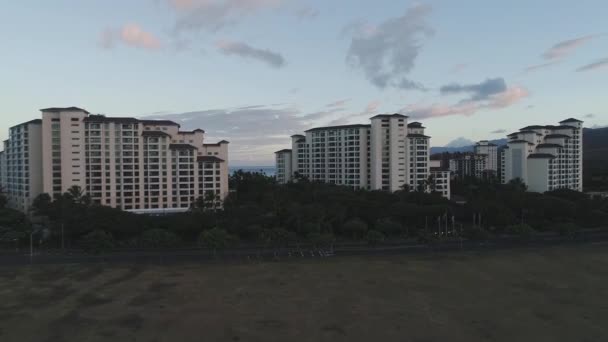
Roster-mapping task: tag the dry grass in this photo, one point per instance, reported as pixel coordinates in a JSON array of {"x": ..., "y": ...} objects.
[{"x": 551, "y": 295}]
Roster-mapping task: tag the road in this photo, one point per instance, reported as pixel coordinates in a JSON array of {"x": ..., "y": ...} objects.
[{"x": 253, "y": 254}]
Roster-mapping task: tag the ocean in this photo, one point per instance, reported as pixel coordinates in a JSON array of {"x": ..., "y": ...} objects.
[{"x": 267, "y": 170}]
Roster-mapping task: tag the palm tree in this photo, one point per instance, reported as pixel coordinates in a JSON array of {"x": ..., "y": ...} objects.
[{"x": 76, "y": 194}]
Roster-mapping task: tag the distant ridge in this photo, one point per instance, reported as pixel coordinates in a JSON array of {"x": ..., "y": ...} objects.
[{"x": 434, "y": 150}]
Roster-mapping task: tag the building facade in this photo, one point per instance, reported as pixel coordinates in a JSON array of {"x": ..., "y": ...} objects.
[
  {"x": 464, "y": 165},
  {"x": 387, "y": 154},
  {"x": 283, "y": 166},
  {"x": 127, "y": 163},
  {"x": 3, "y": 170},
  {"x": 546, "y": 158},
  {"x": 21, "y": 164},
  {"x": 440, "y": 179},
  {"x": 486, "y": 148}
]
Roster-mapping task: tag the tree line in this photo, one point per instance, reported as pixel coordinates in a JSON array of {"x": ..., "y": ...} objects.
[{"x": 261, "y": 212}]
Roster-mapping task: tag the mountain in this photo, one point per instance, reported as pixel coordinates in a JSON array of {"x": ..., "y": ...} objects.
[
  {"x": 460, "y": 142},
  {"x": 595, "y": 143},
  {"x": 595, "y": 149},
  {"x": 467, "y": 148}
]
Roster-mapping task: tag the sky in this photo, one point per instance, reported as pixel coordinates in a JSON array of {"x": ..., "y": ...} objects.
[{"x": 255, "y": 72}]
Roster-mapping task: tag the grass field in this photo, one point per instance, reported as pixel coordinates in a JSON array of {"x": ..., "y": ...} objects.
[{"x": 557, "y": 294}]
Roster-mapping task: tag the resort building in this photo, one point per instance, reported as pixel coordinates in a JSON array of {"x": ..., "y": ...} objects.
[
  {"x": 546, "y": 158},
  {"x": 128, "y": 163}
]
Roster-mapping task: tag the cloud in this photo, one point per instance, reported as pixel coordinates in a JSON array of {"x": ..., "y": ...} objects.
[
  {"x": 537, "y": 67},
  {"x": 458, "y": 68},
  {"x": 338, "y": 103},
  {"x": 479, "y": 91},
  {"x": 499, "y": 131},
  {"x": 589, "y": 116},
  {"x": 468, "y": 107},
  {"x": 560, "y": 51},
  {"x": 372, "y": 107},
  {"x": 131, "y": 35},
  {"x": 255, "y": 132},
  {"x": 307, "y": 12},
  {"x": 563, "y": 49},
  {"x": 214, "y": 15},
  {"x": 244, "y": 50},
  {"x": 387, "y": 53},
  {"x": 599, "y": 64}
]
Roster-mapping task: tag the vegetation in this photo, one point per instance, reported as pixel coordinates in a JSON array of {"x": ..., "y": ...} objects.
[{"x": 263, "y": 213}]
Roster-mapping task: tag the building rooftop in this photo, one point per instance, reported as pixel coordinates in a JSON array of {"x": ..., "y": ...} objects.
[
  {"x": 541, "y": 156},
  {"x": 198, "y": 130},
  {"x": 519, "y": 141},
  {"x": 283, "y": 151},
  {"x": 218, "y": 143},
  {"x": 209, "y": 159},
  {"x": 415, "y": 125},
  {"x": 389, "y": 116},
  {"x": 337, "y": 127},
  {"x": 534, "y": 127},
  {"x": 103, "y": 118},
  {"x": 529, "y": 131},
  {"x": 570, "y": 120},
  {"x": 33, "y": 122},
  {"x": 159, "y": 123},
  {"x": 412, "y": 135},
  {"x": 550, "y": 145},
  {"x": 181, "y": 147},
  {"x": 155, "y": 134},
  {"x": 63, "y": 109}
]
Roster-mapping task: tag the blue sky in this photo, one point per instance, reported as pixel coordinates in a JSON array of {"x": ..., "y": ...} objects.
[{"x": 257, "y": 71}]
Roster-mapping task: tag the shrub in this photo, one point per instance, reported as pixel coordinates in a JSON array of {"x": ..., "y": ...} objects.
[
  {"x": 374, "y": 237},
  {"x": 567, "y": 229},
  {"x": 159, "y": 238},
  {"x": 476, "y": 234},
  {"x": 97, "y": 241},
  {"x": 388, "y": 227},
  {"x": 214, "y": 239},
  {"x": 521, "y": 230},
  {"x": 356, "y": 228}
]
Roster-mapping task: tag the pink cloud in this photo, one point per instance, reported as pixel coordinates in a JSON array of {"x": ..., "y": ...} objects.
[
  {"x": 132, "y": 35},
  {"x": 338, "y": 103},
  {"x": 458, "y": 68},
  {"x": 537, "y": 67},
  {"x": 562, "y": 49},
  {"x": 501, "y": 100},
  {"x": 372, "y": 107}
]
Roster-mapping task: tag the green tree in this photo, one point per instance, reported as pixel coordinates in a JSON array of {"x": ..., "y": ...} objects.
[
  {"x": 355, "y": 228},
  {"x": 97, "y": 242},
  {"x": 374, "y": 237},
  {"x": 388, "y": 227},
  {"x": 42, "y": 204},
  {"x": 159, "y": 238},
  {"x": 214, "y": 239},
  {"x": 522, "y": 230},
  {"x": 3, "y": 201}
]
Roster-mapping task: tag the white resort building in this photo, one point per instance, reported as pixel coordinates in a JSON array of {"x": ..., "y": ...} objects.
[
  {"x": 546, "y": 158},
  {"x": 387, "y": 154},
  {"x": 136, "y": 165}
]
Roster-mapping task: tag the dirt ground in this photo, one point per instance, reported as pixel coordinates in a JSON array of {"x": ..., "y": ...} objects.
[{"x": 556, "y": 294}]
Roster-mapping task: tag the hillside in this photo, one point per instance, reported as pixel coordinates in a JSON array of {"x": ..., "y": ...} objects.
[{"x": 595, "y": 145}]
